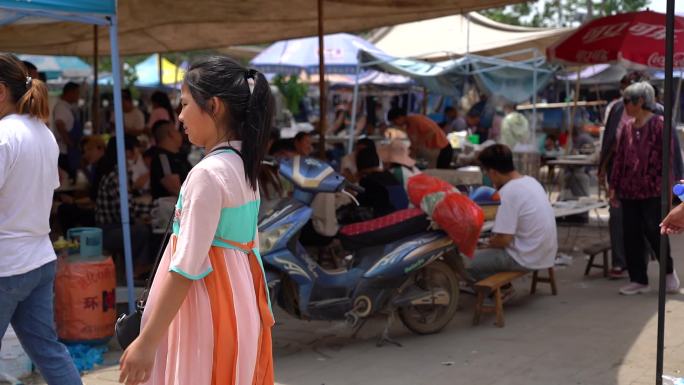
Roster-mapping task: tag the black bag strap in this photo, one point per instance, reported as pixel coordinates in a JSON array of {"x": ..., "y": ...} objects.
[{"x": 165, "y": 240}]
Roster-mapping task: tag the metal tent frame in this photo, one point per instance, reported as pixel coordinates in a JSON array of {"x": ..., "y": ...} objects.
[
  {"x": 460, "y": 66},
  {"x": 99, "y": 13}
]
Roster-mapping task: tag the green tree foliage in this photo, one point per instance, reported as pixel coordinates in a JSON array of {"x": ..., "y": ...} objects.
[
  {"x": 555, "y": 13},
  {"x": 292, "y": 90}
]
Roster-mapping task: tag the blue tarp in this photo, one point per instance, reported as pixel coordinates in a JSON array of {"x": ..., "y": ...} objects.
[
  {"x": 42, "y": 11},
  {"x": 512, "y": 80},
  {"x": 444, "y": 78},
  {"x": 513, "y": 84},
  {"x": 59, "y": 66},
  {"x": 291, "y": 57},
  {"x": 96, "y": 7}
]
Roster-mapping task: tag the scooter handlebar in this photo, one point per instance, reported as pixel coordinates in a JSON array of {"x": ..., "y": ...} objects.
[{"x": 353, "y": 187}]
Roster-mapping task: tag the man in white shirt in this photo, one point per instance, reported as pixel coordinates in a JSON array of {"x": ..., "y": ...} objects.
[
  {"x": 524, "y": 235},
  {"x": 64, "y": 121}
]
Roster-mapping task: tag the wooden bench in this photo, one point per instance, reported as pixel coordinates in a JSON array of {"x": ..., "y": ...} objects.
[
  {"x": 494, "y": 283},
  {"x": 592, "y": 251}
]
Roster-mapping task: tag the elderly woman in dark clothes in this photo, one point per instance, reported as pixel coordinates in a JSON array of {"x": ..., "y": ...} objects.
[{"x": 635, "y": 186}]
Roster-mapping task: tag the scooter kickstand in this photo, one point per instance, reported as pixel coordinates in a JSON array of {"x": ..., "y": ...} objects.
[
  {"x": 360, "y": 324},
  {"x": 385, "y": 337}
]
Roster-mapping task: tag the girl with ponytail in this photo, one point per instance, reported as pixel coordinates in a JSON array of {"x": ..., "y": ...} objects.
[
  {"x": 207, "y": 320},
  {"x": 28, "y": 178}
]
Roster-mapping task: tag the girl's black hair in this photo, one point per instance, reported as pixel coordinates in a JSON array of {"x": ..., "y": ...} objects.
[
  {"x": 250, "y": 111},
  {"x": 162, "y": 100}
]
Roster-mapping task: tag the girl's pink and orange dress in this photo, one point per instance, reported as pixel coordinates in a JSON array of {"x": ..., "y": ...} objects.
[{"x": 222, "y": 332}]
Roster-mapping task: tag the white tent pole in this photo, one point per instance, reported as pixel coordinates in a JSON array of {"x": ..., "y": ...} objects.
[
  {"x": 676, "y": 109},
  {"x": 567, "y": 105},
  {"x": 467, "y": 35},
  {"x": 121, "y": 161},
  {"x": 355, "y": 98},
  {"x": 534, "y": 103},
  {"x": 569, "y": 144}
]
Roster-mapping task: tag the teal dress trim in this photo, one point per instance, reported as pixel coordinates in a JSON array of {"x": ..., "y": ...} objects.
[{"x": 236, "y": 224}]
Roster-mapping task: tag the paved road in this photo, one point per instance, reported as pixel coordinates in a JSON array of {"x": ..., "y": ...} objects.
[{"x": 586, "y": 335}]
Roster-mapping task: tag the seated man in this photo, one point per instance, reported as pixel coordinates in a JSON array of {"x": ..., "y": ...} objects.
[
  {"x": 524, "y": 235},
  {"x": 79, "y": 211},
  {"x": 108, "y": 212},
  {"x": 169, "y": 167},
  {"x": 303, "y": 144},
  {"x": 384, "y": 194}
]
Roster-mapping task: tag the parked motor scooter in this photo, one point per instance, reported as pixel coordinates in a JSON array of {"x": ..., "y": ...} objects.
[{"x": 414, "y": 275}]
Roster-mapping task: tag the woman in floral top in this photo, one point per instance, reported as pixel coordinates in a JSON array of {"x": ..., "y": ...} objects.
[{"x": 636, "y": 186}]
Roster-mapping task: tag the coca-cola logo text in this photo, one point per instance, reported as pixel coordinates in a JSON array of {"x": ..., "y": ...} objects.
[
  {"x": 655, "y": 32},
  {"x": 598, "y": 56},
  {"x": 657, "y": 60},
  {"x": 651, "y": 31},
  {"x": 604, "y": 32}
]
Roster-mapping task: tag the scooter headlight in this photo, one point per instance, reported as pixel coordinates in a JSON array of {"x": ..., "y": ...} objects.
[{"x": 269, "y": 238}]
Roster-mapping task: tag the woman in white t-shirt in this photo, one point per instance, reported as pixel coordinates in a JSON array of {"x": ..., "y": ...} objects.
[{"x": 28, "y": 178}]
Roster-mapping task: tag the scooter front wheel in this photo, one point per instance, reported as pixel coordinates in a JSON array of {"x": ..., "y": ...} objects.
[{"x": 435, "y": 300}]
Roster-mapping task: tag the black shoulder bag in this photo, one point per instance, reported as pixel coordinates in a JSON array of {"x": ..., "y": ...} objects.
[{"x": 127, "y": 327}]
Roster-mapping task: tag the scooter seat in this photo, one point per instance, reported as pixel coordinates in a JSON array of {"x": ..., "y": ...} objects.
[{"x": 383, "y": 230}]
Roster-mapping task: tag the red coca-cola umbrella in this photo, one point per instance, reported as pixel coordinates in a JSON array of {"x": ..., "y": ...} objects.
[{"x": 635, "y": 40}]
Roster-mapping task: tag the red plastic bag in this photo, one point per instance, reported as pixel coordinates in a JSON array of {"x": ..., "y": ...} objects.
[
  {"x": 461, "y": 219},
  {"x": 422, "y": 184}
]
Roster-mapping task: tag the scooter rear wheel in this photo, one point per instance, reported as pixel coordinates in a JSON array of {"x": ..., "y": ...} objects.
[{"x": 431, "y": 318}]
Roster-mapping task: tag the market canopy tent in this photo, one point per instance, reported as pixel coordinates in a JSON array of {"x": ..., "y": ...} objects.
[
  {"x": 594, "y": 75},
  {"x": 56, "y": 67},
  {"x": 299, "y": 57},
  {"x": 511, "y": 79},
  {"x": 147, "y": 26},
  {"x": 458, "y": 35},
  {"x": 515, "y": 80},
  {"x": 634, "y": 39},
  {"x": 38, "y": 13},
  {"x": 366, "y": 78},
  {"x": 147, "y": 73},
  {"x": 290, "y": 57}
]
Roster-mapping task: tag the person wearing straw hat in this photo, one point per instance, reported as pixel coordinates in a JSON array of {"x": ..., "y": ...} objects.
[{"x": 399, "y": 163}]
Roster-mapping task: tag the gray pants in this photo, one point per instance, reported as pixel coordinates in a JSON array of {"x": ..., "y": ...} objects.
[
  {"x": 491, "y": 261},
  {"x": 576, "y": 183},
  {"x": 616, "y": 237}
]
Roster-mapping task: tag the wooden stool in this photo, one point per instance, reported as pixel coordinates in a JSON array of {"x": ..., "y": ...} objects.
[
  {"x": 493, "y": 284},
  {"x": 550, "y": 279},
  {"x": 592, "y": 251}
]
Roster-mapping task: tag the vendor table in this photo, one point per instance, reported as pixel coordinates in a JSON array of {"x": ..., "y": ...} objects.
[
  {"x": 563, "y": 209},
  {"x": 572, "y": 161},
  {"x": 470, "y": 175}
]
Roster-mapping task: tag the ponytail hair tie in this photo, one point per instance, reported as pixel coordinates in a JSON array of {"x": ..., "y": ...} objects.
[
  {"x": 251, "y": 74},
  {"x": 29, "y": 82}
]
